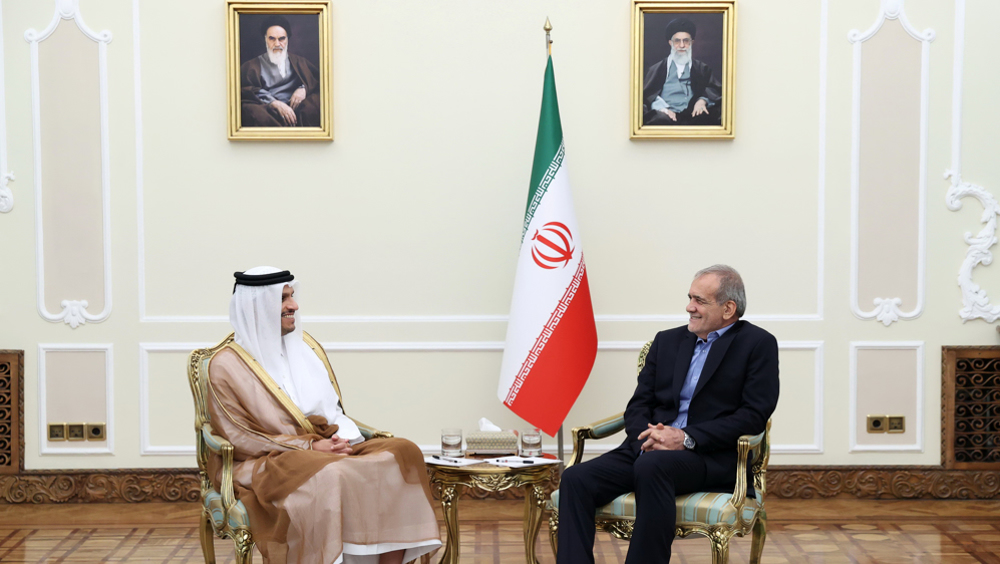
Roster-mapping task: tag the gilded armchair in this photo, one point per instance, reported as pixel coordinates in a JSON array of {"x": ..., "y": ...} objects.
[
  {"x": 718, "y": 516},
  {"x": 222, "y": 513}
]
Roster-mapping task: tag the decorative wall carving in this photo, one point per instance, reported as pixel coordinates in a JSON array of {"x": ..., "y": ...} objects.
[
  {"x": 790, "y": 482},
  {"x": 74, "y": 312},
  {"x": 887, "y": 309},
  {"x": 11, "y": 411},
  {"x": 970, "y": 408},
  {"x": 96, "y": 486},
  {"x": 975, "y": 302},
  {"x": 887, "y": 482}
]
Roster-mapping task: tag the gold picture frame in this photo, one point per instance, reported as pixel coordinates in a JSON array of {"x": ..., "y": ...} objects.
[
  {"x": 710, "y": 74},
  {"x": 307, "y": 52}
]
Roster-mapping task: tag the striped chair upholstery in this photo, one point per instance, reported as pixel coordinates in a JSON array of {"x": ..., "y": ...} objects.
[{"x": 718, "y": 516}]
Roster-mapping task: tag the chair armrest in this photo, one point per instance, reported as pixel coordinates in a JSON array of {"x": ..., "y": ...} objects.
[
  {"x": 597, "y": 430},
  {"x": 744, "y": 445},
  {"x": 369, "y": 432},
  {"x": 223, "y": 448}
]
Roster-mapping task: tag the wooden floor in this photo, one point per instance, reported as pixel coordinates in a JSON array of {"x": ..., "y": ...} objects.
[{"x": 808, "y": 531}]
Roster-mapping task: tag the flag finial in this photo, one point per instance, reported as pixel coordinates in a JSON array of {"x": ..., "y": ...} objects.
[{"x": 548, "y": 40}]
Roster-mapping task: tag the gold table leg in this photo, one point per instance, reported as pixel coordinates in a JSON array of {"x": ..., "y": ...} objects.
[
  {"x": 534, "y": 502},
  {"x": 449, "y": 506}
]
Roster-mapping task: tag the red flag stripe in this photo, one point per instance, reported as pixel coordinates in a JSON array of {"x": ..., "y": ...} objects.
[{"x": 560, "y": 361}]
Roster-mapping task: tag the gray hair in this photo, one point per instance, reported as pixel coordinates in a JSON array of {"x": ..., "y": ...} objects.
[{"x": 730, "y": 286}]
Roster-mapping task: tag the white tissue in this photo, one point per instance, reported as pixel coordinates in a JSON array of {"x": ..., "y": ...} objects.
[{"x": 486, "y": 425}]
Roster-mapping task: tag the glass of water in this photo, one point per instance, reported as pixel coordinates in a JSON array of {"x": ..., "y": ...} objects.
[
  {"x": 451, "y": 442},
  {"x": 531, "y": 442}
]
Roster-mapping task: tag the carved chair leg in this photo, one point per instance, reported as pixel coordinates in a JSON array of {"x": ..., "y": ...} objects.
[
  {"x": 720, "y": 547},
  {"x": 759, "y": 535},
  {"x": 554, "y": 531},
  {"x": 207, "y": 535},
  {"x": 244, "y": 546}
]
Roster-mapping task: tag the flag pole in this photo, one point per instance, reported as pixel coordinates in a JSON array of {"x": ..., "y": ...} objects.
[{"x": 548, "y": 47}]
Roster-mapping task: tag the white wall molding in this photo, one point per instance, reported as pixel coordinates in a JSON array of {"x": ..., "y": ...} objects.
[
  {"x": 816, "y": 447},
  {"x": 6, "y": 196},
  {"x": 74, "y": 312},
  {"x": 918, "y": 426},
  {"x": 487, "y": 318},
  {"x": 975, "y": 301},
  {"x": 887, "y": 310},
  {"x": 146, "y": 446},
  {"x": 43, "y": 443}
]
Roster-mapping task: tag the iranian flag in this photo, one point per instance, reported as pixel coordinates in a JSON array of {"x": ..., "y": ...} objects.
[{"x": 551, "y": 336}]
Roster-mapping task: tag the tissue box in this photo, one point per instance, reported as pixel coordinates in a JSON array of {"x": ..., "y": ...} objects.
[{"x": 493, "y": 443}]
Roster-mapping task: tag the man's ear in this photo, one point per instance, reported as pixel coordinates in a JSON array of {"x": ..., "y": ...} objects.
[{"x": 729, "y": 311}]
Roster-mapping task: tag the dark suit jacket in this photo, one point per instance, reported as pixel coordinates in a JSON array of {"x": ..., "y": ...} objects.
[
  {"x": 735, "y": 395},
  {"x": 703, "y": 83}
]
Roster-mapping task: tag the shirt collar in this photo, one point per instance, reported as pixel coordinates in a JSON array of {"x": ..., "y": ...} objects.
[{"x": 716, "y": 334}]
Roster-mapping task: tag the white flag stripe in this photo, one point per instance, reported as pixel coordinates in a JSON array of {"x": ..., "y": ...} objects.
[{"x": 537, "y": 292}]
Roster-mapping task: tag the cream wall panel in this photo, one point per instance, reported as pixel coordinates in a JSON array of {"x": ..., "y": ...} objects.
[
  {"x": 448, "y": 248},
  {"x": 797, "y": 422},
  {"x": 890, "y": 167},
  {"x": 416, "y": 212},
  {"x": 70, "y": 138},
  {"x": 75, "y": 386},
  {"x": 887, "y": 379},
  {"x": 6, "y": 194},
  {"x": 71, "y": 167},
  {"x": 166, "y": 407}
]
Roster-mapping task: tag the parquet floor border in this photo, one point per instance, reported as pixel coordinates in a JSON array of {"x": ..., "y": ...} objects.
[{"x": 821, "y": 531}]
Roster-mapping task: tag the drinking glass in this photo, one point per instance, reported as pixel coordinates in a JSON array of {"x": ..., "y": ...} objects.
[
  {"x": 451, "y": 442},
  {"x": 531, "y": 443}
]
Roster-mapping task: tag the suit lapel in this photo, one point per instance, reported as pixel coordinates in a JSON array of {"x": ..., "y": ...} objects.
[
  {"x": 715, "y": 355},
  {"x": 684, "y": 353}
]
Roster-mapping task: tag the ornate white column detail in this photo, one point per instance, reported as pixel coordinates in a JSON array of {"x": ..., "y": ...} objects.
[
  {"x": 887, "y": 310},
  {"x": 975, "y": 302},
  {"x": 74, "y": 312}
]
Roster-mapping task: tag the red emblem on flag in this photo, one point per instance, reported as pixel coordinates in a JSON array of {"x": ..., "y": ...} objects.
[{"x": 553, "y": 245}]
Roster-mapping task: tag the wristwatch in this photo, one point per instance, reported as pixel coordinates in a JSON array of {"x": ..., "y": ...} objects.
[{"x": 688, "y": 441}]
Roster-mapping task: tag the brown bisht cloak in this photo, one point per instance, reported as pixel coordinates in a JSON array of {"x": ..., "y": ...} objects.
[
  {"x": 305, "y": 505},
  {"x": 255, "y": 113}
]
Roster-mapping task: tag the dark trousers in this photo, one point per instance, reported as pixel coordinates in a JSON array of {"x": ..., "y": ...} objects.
[{"x": 656, "y": 477}]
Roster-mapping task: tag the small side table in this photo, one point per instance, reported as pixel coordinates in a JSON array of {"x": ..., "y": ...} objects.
[{"x": 492, "y": 478}]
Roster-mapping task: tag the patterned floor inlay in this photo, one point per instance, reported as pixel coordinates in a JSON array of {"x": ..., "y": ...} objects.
[{"x": 486, "y": 542}]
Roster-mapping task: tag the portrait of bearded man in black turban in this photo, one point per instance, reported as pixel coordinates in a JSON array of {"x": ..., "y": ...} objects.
[{"x": 679, "y": 89}]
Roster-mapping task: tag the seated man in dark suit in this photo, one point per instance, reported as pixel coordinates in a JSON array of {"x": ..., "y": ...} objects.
[{"x": 703, "y": 386}]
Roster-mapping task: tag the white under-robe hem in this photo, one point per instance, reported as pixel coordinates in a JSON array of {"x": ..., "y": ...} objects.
[{"x": 369, "y": 553}]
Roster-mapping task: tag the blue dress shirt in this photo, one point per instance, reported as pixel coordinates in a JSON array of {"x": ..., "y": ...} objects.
[{"x": 701, "y": 349}]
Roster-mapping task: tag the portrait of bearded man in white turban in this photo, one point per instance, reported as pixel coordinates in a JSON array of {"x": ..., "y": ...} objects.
[{"x": 316, "y": 490}]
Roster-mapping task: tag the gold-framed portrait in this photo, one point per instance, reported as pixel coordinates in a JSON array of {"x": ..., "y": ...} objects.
[
  {"x": 279, "y": 69},
  {"x": 683, "y": 69}
]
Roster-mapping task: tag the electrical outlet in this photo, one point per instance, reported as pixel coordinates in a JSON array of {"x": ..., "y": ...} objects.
[
  {"x": 877, "y": 423},
  {"x": 896, "y": 424},
  {"x": 75, "y": 432},
  {"x": 57, "y": 431},
  {"x": 95, "y": 431}
]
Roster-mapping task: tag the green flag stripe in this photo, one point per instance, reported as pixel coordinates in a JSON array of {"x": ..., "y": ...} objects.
[
  {"x": 543, "y": 186},
  {"x": 548, "y": 143}
]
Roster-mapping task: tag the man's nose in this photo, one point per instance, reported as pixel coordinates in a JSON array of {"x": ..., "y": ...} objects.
[
  {"x": 293, "y": 305},
  {"x": 690, "y": 307}
]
